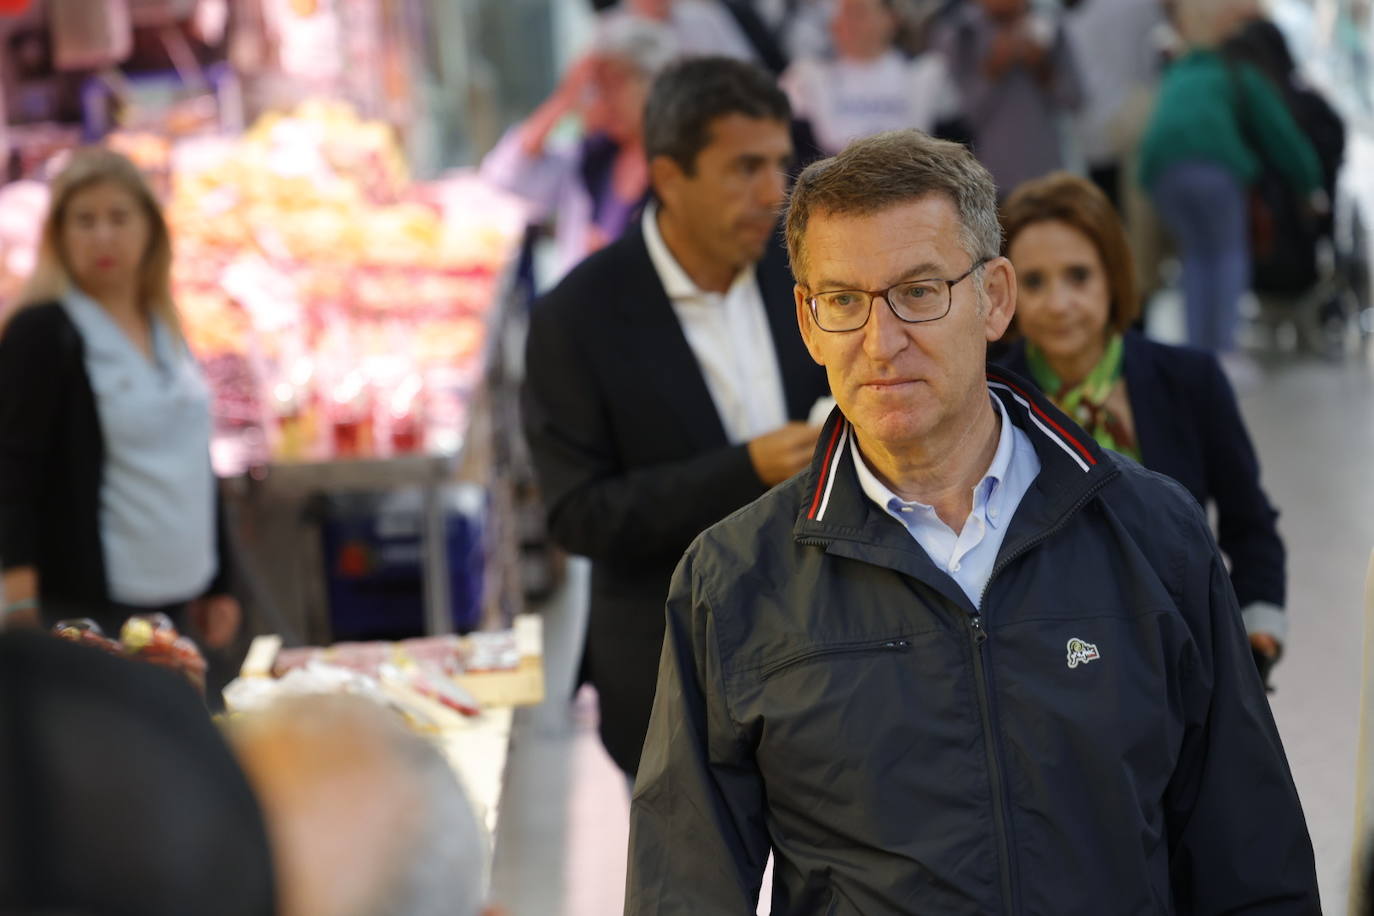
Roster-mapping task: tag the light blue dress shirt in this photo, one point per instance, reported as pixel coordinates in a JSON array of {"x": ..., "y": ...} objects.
[
  {"x": 970, "y": 555},
  {"x": 157, "y": 497}
]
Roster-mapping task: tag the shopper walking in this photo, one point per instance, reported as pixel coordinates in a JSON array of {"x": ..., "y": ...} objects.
[
  {"x": 969, "y": 662},
  {"x": 666, "y": 382},
  {"x": 108, "y": 504},
  {"x": 1018, "y": 83},
  {"x": 1170, "y": 408},
  {"x": 1215, "y": 127}
]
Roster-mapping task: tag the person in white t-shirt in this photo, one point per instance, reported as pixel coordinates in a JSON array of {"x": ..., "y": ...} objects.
[{"x": 868, "y": 86}]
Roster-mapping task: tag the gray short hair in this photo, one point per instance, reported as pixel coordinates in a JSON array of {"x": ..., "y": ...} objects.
[
  {"x": 441, "y": 870},
  {"x": 882, "y": 171},
  {"x": 433, "y": 859},
  {"x": 646, "y": 45}
]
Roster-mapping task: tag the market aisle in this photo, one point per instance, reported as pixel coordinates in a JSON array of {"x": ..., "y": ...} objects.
[
  {"x": 564, "y": 827},
  {"x": 1313, "y": 425}
]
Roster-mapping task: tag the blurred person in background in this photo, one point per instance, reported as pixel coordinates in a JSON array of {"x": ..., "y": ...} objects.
[
  {"x": 592, "y": 185},
  {"x": 1018, "y": 81},
  {"x": 666, "y": 382},
  {"x": 119, "y": 795},
  {"x": 1109, "y": 39},
  {"x": 1215, "y": 127},
  {"x": 108, "y": 503},
  {"x": 1288, "y": 263},
  {"x": 801, "y": 27},
  {"x": 366, "y": 818},
  {"x": 1170, "y": 408},
  {"x": 698, "y": 27},
  {"x": 869, "y": 85}
]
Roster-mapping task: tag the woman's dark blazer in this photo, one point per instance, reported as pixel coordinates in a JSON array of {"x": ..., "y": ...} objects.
[{"x": 1188, "y": 427}]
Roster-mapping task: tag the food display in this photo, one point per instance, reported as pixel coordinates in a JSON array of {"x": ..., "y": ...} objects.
[
  {"x": 87, "y": 632},
  {"x": 449, "y": 655},
  {"x": 154, "y": 638},
  {"x": 339, "y": 308},
  {"x": 151, "y": 638},
  {"x": 448, "y": 674}
]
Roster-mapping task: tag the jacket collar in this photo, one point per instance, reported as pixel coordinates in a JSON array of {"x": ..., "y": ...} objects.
[{"x": 835, "y": 510}]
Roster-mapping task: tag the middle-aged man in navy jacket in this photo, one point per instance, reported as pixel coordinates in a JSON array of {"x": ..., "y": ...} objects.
[{"x": 969, "y": 662}]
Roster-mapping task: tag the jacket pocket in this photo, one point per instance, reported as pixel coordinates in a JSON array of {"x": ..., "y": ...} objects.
[{"x": 892, "y": 644}]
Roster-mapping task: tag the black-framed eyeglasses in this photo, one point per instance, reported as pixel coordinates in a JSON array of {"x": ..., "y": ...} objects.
[{"x": 912, "y": 301}]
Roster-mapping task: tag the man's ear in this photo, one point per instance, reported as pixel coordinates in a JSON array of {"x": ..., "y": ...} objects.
[
  {"x": 805, "y": 324},
  {"x": 666, "y": 178},
  {"x": 999, "y": 286}
]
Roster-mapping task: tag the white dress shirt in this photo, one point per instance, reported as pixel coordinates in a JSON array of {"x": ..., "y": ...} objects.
[
  {"x": 970, "y": 555},
  {"x": 730, "y": 338}
]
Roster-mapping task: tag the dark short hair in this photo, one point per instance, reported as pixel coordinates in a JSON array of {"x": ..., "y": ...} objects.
[
  {"x": 689, "y": 94},
  {"x": 889, "y": 169},
  {"x": 1077, "y": 202}
]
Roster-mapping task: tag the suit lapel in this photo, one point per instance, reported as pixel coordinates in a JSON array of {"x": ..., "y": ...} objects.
[
  {"x": 1145, "y": 391},
  {"x": 795, "y": 365},
  {"x": 654, "y": 343}
]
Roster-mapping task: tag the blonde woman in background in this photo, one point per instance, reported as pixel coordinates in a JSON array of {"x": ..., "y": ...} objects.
[{"x": 108, "y": 504}]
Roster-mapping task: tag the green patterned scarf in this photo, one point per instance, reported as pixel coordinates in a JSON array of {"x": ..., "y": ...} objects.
[{"x": 1086, "y": 402}]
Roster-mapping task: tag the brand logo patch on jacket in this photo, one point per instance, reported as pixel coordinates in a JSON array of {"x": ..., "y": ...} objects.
[{"x": 1081, "y": 652}]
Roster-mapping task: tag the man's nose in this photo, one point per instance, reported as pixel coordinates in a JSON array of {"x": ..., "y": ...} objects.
[{"x": 885, "y": 335}]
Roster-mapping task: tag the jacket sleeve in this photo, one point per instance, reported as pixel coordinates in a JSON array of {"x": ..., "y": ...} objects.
[
  {"x": 538, "y": 179},
  {"x": 1272, "y": 126},
  {"x": 32, "y": 384},
  {"x": 698, "y": 841},
  {"x": 1247, "y": 529},
  {"x": 597, "y": 506},
  {"x": 1238, "y": 840}
]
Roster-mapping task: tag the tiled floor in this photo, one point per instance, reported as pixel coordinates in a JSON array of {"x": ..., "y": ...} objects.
[{"x": 562, "y": 840}]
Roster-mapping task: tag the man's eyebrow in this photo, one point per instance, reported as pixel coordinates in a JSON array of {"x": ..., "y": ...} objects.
[{"x": 927, "y": 270}]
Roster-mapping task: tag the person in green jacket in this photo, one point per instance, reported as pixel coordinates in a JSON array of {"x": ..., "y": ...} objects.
[{"x": 1197, "y": 161}]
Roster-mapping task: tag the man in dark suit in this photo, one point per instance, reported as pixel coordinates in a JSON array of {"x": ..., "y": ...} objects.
[{"x": 667, "y": 383}]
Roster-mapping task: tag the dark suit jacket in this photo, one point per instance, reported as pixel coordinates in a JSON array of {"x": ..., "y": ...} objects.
[
  {"x": 1188, "y": 427},
  {"x": 632, "y": 456}
]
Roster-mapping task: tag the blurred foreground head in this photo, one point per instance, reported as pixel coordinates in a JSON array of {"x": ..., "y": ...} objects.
[
  {"x": 367, "y": 819},
  {"x": 118, "y": 796}
]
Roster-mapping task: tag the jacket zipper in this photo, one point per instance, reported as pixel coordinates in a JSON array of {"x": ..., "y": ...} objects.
[
  {"x": 982, "y": 669},
  {"x": 979, "y": 635},
  {"x": 888, "y": 645}
]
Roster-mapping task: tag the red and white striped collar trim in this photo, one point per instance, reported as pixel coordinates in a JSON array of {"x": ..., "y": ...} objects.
[
  {"x": 834, "y": 453},
  {"x": 841, "y": 433}
]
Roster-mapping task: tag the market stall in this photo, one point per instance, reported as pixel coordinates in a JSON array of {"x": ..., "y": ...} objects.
[{"x": 352, "y": 322}]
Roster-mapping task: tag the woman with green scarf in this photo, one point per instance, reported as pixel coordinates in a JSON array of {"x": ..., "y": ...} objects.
[{"x": 1169, "y": 408}]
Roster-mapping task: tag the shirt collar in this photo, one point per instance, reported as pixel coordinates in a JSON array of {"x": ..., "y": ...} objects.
[
  {"x": 103, "y": 334},
  {"x": 988, "y": 493},
  {"x": 676, "y": 283}
]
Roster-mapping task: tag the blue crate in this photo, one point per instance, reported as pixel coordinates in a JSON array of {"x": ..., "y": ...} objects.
[{"x": 374, "y": 567}]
